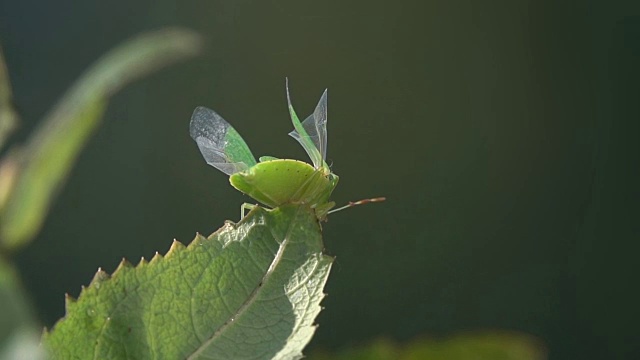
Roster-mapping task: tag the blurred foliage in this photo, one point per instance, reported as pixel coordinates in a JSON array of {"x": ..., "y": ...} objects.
[
  {"x": 8, "y": 115},
  {"x": 31, "y": 175},
  {"x": 18, "y": 327},
  {"x": 469, "y": 346},
  {"x": 45, "y": 161}
]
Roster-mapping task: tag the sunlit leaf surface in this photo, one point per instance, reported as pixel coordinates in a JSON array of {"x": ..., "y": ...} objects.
[{"x": 250, "y": 291}]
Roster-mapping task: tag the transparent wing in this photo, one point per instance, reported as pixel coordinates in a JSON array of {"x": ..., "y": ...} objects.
[
  {"x": 312, "y": 132},
  {"x": 220, "y": 144}
]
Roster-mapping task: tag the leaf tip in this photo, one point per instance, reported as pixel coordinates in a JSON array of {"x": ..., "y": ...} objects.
[
  {"x": 197, "y": 241},
  {"x": 99, "y": 277},
  {"x": 123, "y": 266},
  {"x": 156, "y": 257},
  {"x": 175, "y": 247},
  {"x": 69, "y": 298},
  {"x": 69, "y": 302},
  {"x": 142, "y": 262}
]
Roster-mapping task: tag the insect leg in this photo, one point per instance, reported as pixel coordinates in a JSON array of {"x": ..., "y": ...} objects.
[{"x": 244, "y": 207}]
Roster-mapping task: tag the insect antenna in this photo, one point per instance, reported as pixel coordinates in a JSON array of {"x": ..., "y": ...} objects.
[{"x": 359, "y": 202}]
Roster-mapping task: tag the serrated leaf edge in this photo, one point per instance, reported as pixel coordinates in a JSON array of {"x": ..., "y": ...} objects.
[
  {"x": 175, "y": 248},
  {"x": 125, "y": 265}
]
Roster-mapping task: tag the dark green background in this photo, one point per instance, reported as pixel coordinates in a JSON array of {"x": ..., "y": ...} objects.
[{"x": 504, "y": 134}]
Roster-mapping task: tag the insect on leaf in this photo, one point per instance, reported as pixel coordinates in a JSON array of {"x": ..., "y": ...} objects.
[
  {"x": 220, "y": 144},
  {"x": 312, "y": 132},
  {"x": 251, "y": 290}
]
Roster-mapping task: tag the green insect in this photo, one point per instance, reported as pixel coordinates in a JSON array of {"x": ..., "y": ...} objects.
[{"x": 272, "y": 181}]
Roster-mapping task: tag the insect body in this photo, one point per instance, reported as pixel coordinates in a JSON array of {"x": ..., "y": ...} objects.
[
  {"x": 273, "y": 182},
  {"x": 284, "y": 181}
]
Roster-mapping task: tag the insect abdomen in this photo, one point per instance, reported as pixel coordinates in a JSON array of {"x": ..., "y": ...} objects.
[{"x": 282, "y": 181}]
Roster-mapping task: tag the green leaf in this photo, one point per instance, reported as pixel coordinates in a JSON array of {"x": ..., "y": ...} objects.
[
  {"x": 249, "y": 291},
  {"x": 47, "y": 158},
  {"x": 19, "y": 334},
  {"x": 8, "y": 115},
  {"x": 495, "y": 345}
]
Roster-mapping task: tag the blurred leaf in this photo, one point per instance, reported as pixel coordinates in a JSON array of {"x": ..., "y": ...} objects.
[
  {"x": 9, "y": 167},
  {"x": 474, "y": 346},
  {"x": 19, "y": 334},
  {"x": 24, "y": 344},
  {"x": 50, "y": 153},
  {"x": 8, "y": 115},
  {"x": 250, "y": 290}
]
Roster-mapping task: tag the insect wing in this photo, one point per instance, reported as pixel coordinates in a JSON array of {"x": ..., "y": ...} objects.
[
  {"x": 220, "y": 144},
  {"x": 312, "y": 132},
  {"x": 315, "y": 126}
]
